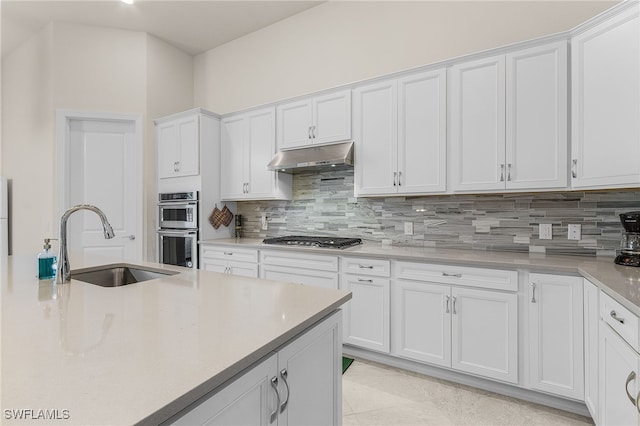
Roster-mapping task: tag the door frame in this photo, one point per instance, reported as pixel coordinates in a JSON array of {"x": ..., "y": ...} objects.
[{"x": 63, "y": 118}]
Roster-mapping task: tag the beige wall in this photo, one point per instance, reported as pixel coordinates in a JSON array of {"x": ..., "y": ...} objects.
[
  {"x": 89, "y": 69},
  {"x": 343, "y": 42},
  {"x": 28, "y": 155}
]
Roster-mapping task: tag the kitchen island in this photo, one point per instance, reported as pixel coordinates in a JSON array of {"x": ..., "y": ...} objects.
[{"x": 79, "y": 353}]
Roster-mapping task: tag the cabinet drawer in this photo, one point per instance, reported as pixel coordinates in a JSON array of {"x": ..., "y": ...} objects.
[
  {"x": 325, "y": 279},
  {"x": 458, "y": 275},
  {"x": 364, "y": 266},
  {"x": 229, "y": 253},
  {"x": 299, "y": 260},
  {"x": 620, "y": 319}
]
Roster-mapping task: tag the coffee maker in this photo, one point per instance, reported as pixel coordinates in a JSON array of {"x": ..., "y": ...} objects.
[{"x": 630, "y": 245}]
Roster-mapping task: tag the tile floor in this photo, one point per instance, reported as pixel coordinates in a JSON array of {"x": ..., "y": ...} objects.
[{"x": 375, "y": 394}]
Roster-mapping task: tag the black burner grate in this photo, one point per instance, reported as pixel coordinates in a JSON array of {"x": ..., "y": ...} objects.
[{"x": 324, "y": 242}]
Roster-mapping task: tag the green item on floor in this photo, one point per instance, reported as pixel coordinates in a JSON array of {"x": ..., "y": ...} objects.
[{"x": 346, "y": 363}]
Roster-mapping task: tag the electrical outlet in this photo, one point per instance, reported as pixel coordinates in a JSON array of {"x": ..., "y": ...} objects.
[
  {"x": 545, "y": 231},
  {"x": 408, "y": 228},
  {"x": 575, "y": 232},
  {"x": 263, "y": 222}
]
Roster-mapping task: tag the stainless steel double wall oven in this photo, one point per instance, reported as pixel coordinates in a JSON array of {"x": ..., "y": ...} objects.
[{"x": 178, "y": 229}]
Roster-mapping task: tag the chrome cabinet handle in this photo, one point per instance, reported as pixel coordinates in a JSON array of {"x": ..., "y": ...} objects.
[
  {"x": 630, "y": 378},
  {"x": 313, "y": 132},
  {"x": 533, "y": 292},
  {"x": 444, "y": 274},
  {"x": 454, "y": 305},
  {"x": 130, "y": 237},
  {"x": 362, "y": 280},
  {"x": 509, "y": 172},
  {"x": 248, "y": 190},
  {"x": 365, "y": 266},
  {"x": 175, "y": 166},
  {"x": 284, "y": 375},
  {"x": 309, "y": 133},
  {"x": 178, "y": 165},
  {"x": 615, "y": 316},
  {"x": 399, "y": 178},
  {"x": 228, "y": 253},
  {"x": 274, "y": 386},
  {"x": 574, "y": 168},
  {"x": 446, "y": 309},
  {"x": 501, "y": 172},
  {"x": 638, "y": 402},
  {"x": 395, "y": 174}
]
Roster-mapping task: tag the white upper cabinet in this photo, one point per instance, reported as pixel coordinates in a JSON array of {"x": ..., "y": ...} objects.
[
  {"x": 509, "y": 121},
  {"x": 536, "y": 136},
  {"x": 400, "y": 135},
  {"x": 178, "y": 147},
  {"x": 318, "y": 120},
  {"x": 606, "y": 103},
  {"x": 248, "y": 144}
]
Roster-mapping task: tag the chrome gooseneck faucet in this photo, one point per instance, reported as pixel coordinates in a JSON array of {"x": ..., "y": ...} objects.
[{"x": 63, "y": 273}]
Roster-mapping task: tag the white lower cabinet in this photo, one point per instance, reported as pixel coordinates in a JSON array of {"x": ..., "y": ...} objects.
[
  {"x": 299, "y": 384},
  {"x": 474, "y": 330},
  {"x": 228, "y": 260},
  {"x": 367, "y": 314},
  {"x": 300, "y": 268},
  {"x": 591, "y": 332},
  {"x": 556, "y": 351}
]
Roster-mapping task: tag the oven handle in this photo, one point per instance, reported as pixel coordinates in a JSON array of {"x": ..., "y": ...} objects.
[
  {"x": 178, "y": 203},
  {"x": 177, "y": 232}
]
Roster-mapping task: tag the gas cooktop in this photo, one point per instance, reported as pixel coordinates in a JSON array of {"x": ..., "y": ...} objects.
[{"x": 324, "y": 242}]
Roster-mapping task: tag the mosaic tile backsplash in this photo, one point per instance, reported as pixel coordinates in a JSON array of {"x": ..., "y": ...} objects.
[{"x": 323, "y": 204}]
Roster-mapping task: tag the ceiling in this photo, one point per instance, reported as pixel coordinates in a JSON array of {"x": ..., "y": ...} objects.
[{"x": 193, "y": 26}]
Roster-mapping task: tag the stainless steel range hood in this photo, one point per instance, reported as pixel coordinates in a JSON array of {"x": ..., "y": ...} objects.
[{"x": 325, "y": 157}]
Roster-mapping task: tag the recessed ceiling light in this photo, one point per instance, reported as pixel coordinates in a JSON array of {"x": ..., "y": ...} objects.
[{"x": 127, "y": 1}]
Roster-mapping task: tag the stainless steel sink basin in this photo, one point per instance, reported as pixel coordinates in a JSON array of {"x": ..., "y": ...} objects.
[{"x": 118, "y": 275}]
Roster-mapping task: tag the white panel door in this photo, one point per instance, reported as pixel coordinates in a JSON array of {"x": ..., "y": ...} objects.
[
  {"x": 536, "y": 133},
  {"x": 232, "y": 155},
  {"x": 366, "y": 322},
  {"x": 478, "y": 125},
  {"x": 422, "y": 134},
  {"x": 484, "y": 337},
  {"x": 619, "y": 381},
  {"x": 294, "y": 124},
  {"x": 375, "y": 136},
  {"x": 261, "y": 149},
  {"x": 332, "y": 117},
  {"x": 422, "y": 322},
  {"x": 606, "y": 103},
  {"x": 556, "y": 350},
  {"x": 105, "y": 171}
]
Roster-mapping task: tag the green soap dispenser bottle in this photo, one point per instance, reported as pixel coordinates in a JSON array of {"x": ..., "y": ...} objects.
[{"x": 46, "y": 261}]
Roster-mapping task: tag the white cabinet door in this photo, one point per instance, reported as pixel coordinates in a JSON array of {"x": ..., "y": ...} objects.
[
  {"x": 619, "y": 368},
  {"x": 605, "y": 103},
  {"x": 232, "y": 153},
  {"x": 375, "y": 137},
  {"x": 422, "y": 136},
  {"x": 485, "y": 333},
  {"x": 556, "y": 335},
  {"x": 310, "y": 377},
  {"x": 248, "y": 144},
  {"x": 478, "y": 125},
  {"x": 261, "y": 144},
  {"x": 591, "y": 330},
  {"x": 179, "y": 147},
  {"x": 536, "y": 122},
  {"x": 366, "y": 322},
  {"x": 332, "y": 117},
  {"x": 422, "y": 322},
  {"x": 189, "y": 146},
  {"x": 294, "y": 124},
  {"x": 249, "y": 400},
  {"x": 212, "y": 265}
]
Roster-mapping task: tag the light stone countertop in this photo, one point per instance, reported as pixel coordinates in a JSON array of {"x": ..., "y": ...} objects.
[
  {"x": 141, "y": 352},
  {"x": 620, "y": 282}
]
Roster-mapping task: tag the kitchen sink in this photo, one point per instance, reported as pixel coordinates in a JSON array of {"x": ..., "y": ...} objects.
[{"x": 118, "y": 275}]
